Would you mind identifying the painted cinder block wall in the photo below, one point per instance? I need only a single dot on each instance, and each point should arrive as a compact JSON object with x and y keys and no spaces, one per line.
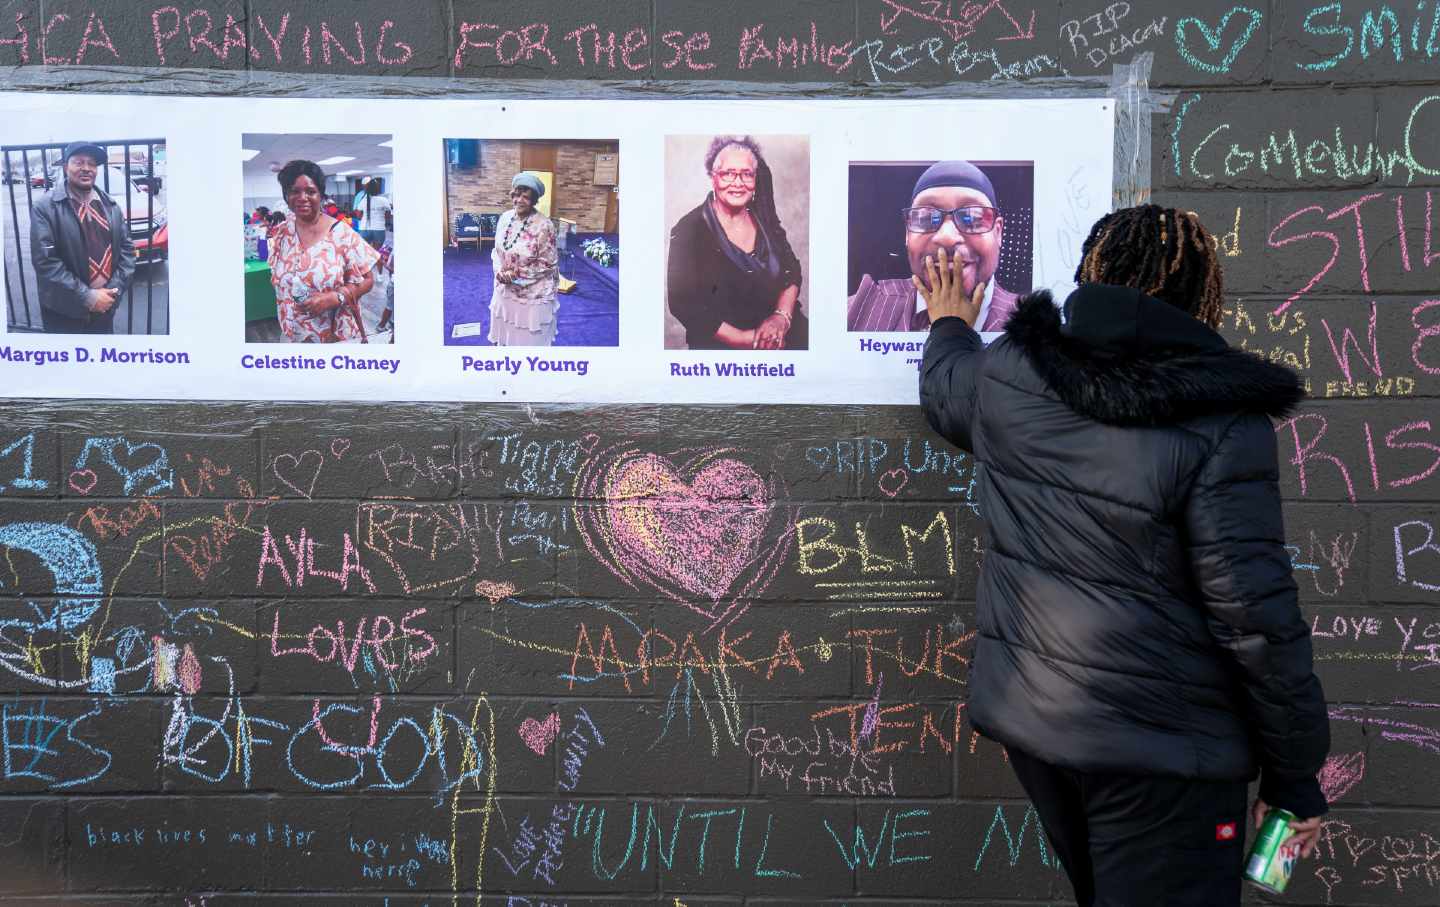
{"x":335,"y":654}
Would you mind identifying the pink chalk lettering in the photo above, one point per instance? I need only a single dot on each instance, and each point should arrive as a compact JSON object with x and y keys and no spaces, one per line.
{"x":276,"y":651}
{"x":203,"y":39}
{"x":500,"y":48}
{"x":347,"y":649}
{"x":161,"y":37}
{"x":796,"y":53}
{"x":1400,"y":226}
{"x":753,"y":47}
{"x":415,"y":632}
{"x":1424,"y":333}
{"x":1393,"y":444}
{"x":406,"y":53}
{"x":575,"y":36}
{"x":469,"y":39}
{"x":275,"y":40}
{"x":45,"y":39}
{"x":1429,"y":228}
{"x":510,"y":46}
{"x":1347,"y":339}
{"x":597,"y":45}
{"x":21,"y":39}
{"x":1305,"y":451}
{"x":234,"y":37}
{"x":697,"y":43}
{"x":636,"y":40}
{"x":270,"y":554}
{"x":694,"y":44}
{"x":334,"y":650}
{"x":350,"y":657}
{"x":378,"y":640}
{"x":305,"y":45}
{"x":93,"y":26}
{"x":957,"y":24}
{"x":328,"y":39}
{"x":1274,"y":243}
{"x":534,"y":45}
{"x":1374,"y":464}
{"x":302,"y":551}
{"x":1354,"y":208}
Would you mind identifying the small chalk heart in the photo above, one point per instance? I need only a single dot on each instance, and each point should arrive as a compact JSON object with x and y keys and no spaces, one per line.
{"x":538,"y":735}
{"x":494,"y":591}
{"x":83,"y":480}
{"x":339,"y":446}
{"x":890,"y":483}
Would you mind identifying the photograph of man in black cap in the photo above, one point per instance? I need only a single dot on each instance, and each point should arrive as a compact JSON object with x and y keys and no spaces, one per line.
{"x":952,"y":205}
{"x":80,"y":247}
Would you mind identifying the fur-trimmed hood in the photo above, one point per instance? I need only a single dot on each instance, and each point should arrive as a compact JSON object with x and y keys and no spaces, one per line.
{"x":1125,"y":358}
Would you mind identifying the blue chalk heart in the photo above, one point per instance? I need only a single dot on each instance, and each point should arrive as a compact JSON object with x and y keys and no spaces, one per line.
{"x":1212,"y":38}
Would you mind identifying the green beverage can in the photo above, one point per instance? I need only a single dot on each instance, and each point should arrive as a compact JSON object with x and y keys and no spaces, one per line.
{"x":1272,"y":858}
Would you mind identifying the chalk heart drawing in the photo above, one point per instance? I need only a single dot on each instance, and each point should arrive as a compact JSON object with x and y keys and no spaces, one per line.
{"x":495,"y":591}
{"x":1214,"y":39}
{"x":1340,"y":774}
{"x":293,"y":472}
{"x":698,"y":526}
{"x":83,"y":480}
{"x":538,"y":735}
{"x":339,"y":446}
{"x":891,"y":482}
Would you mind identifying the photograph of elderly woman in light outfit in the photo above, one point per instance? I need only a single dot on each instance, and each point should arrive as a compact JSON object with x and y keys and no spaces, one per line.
{"x":733,"y":280}
{"x":523,"y":305}
{"x":320,"y":267}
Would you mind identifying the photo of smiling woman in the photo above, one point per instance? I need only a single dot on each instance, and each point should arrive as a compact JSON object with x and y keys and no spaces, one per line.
{"x":319,"y":238}
{"x":320,"y":267}
{"x":734,"y":275}
{"x":522,"y":304}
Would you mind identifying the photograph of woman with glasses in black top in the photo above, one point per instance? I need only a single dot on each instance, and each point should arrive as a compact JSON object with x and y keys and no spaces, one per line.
{"x":733,"y":280}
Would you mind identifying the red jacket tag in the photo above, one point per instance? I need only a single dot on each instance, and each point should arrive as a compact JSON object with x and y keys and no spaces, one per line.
{"x":1225,"y":831}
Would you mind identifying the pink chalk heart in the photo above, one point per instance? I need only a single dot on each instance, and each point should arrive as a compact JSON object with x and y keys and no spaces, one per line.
{"x":83,"y":480}
{"x":538,"y":735}
{"x":339,"y":446}
{"x":890,"y":483}
{"x":697,"y":528}
{"x":699,"y":533}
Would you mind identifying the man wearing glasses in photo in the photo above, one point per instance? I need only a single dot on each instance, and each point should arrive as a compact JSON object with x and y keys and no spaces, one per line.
{"x":953,"y":207}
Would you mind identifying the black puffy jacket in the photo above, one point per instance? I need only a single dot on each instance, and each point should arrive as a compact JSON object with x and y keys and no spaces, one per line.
{"x":1137,"y":612}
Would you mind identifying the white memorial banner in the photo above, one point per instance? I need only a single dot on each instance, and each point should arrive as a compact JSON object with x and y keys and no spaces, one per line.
{"x":469,"y":250}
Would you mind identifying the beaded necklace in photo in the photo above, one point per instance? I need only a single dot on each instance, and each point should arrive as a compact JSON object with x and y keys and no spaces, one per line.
{"x":507,"y":241}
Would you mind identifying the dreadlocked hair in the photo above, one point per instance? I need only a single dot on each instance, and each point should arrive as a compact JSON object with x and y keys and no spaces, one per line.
{"x":1162,"y":252}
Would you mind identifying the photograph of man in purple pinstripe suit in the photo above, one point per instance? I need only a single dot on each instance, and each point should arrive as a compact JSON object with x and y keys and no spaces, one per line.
{"x":954,"y":206}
